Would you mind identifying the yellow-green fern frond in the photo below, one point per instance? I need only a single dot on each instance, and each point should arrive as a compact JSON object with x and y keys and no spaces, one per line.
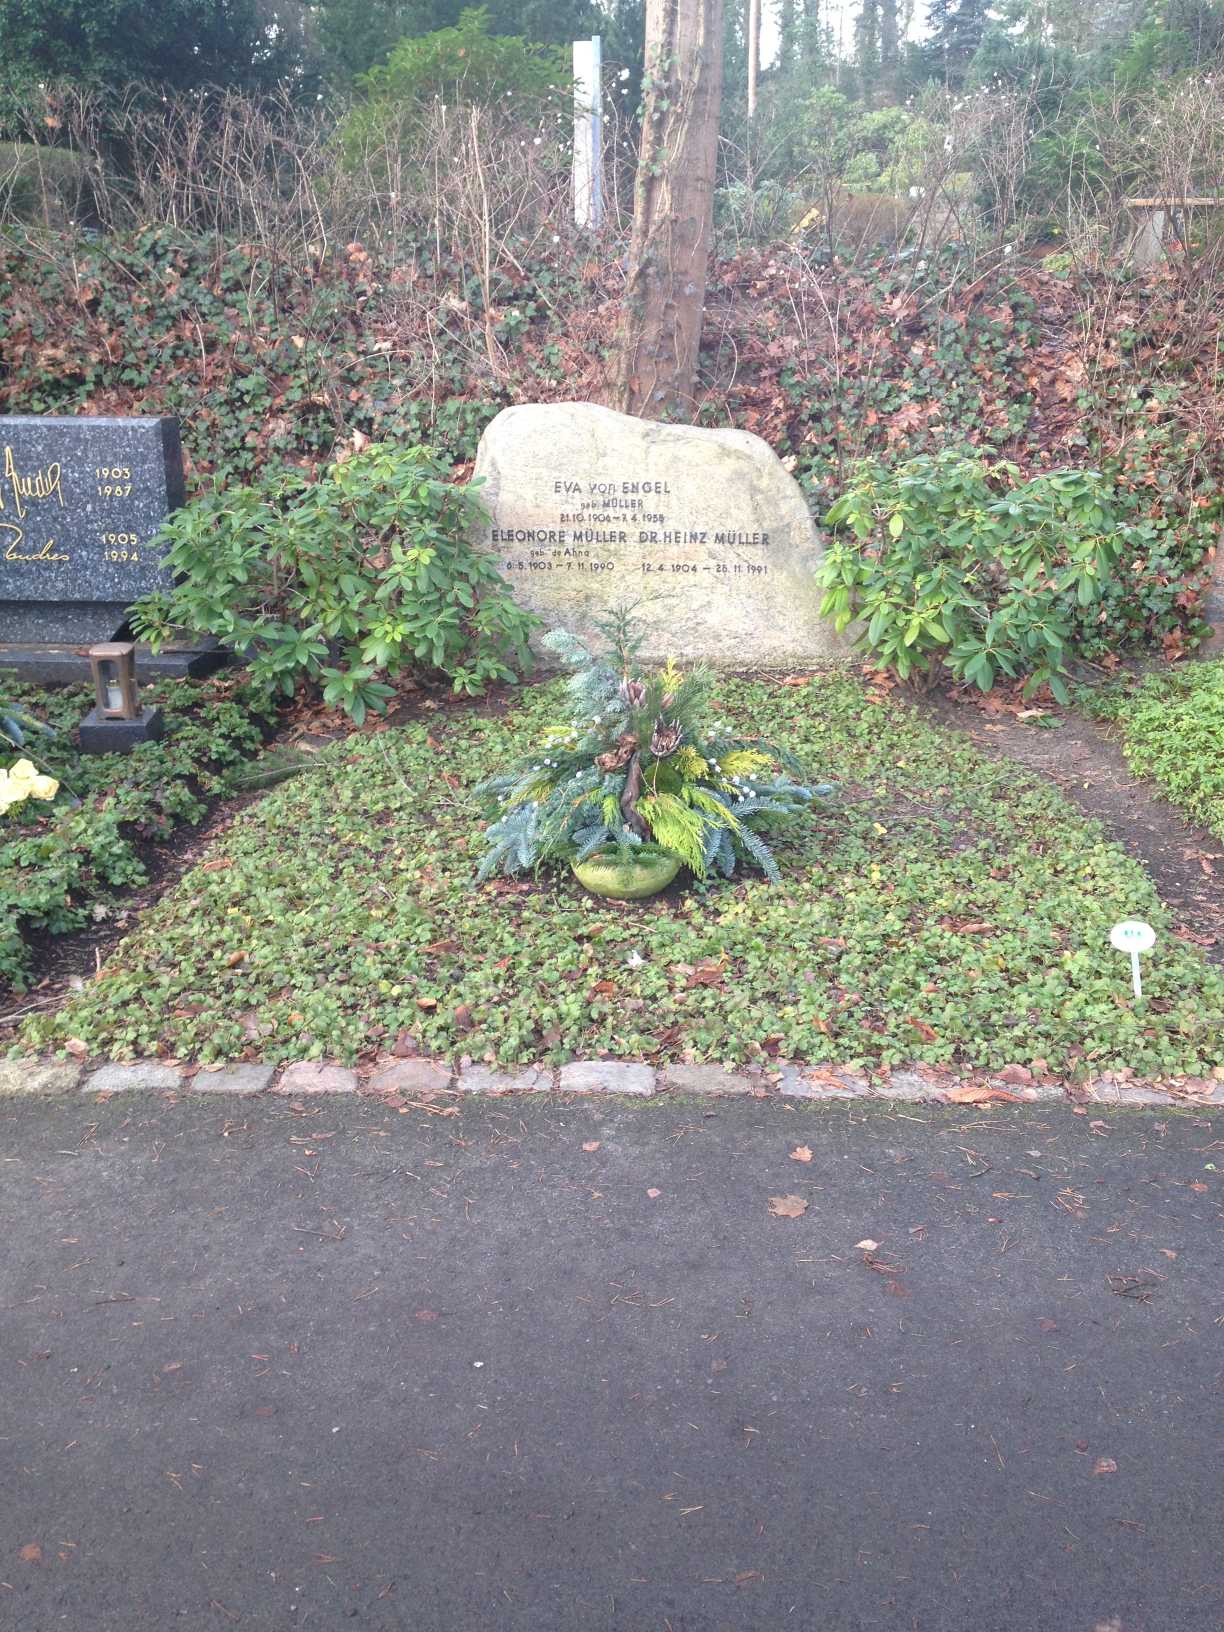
{"x":690,"y":764}
{"x":670,"y":676}
{"x":675,"y":827}
{"x":743,"y":762}
{"x":702,"y":800}
{"x":526,"y":791}
{"x":610,"y":810}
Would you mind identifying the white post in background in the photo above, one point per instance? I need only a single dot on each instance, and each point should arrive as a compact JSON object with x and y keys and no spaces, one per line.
{"x":754,"y":55}
{"x":588,"y":134}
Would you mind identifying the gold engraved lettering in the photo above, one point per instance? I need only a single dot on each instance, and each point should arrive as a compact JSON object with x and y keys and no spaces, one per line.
{"x":14,"y":552}
{"x":43,"y":484}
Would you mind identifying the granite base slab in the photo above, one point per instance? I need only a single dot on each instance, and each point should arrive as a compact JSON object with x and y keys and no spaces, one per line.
{"x":100,"y":735}
{"x":61,"y":663}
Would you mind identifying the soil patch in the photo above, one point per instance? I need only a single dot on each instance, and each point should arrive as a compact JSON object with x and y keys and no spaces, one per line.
{"x":1185,"y":862}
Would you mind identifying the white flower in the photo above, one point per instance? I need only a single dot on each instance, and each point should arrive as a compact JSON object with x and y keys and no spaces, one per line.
{"x":624,"y":74}
{"x":635,"y":960}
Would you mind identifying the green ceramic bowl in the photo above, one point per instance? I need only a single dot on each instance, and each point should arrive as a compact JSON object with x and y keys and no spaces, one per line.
{"x":626,"y":881}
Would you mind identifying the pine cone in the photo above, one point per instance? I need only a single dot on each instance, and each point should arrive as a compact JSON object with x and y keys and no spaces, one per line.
{"x":633,"y":692}
{"x":665,"y":738}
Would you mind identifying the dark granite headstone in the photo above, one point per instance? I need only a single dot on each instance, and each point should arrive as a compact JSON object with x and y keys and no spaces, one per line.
{"x":81,"y":501}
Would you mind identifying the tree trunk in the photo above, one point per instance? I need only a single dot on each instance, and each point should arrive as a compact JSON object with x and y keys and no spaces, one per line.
{"x":657,"y":353}
{"x":786,"y":35}
{"x":890,"y":54}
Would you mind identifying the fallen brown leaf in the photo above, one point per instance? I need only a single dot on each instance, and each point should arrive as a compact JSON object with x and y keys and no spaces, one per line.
{"x":31,"y":1553}
{"x":976,"y":1093}
{"x":1015,"y":1073}
{"x":787,"y":1206}
{"x":867,"y":1245}
{"x":801,"y":1153}
{"x":591,"y":1144}
{"x":1104,"y":1464}
{"x":706,"y":974}
{"x":1197,"y":940}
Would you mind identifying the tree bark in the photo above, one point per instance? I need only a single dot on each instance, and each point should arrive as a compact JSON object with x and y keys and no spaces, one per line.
{"x":630,"y":794}
{"x":655,"y":372}
{"x":890,"y":54}
{"x":786,"y":35}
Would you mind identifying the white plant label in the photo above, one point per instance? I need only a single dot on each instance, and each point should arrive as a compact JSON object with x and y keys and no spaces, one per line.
{"x":1133,"y":936}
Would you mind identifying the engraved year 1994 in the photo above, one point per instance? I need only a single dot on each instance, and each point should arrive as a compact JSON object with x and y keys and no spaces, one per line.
{"x":120,"y":547}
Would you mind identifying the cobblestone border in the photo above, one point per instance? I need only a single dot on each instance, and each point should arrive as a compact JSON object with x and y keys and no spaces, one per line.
{"x":401,"y":1082}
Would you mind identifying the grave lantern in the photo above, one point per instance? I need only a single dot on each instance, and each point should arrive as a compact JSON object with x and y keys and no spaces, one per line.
{"x":117,"y":722}
{"x":114,"y":677}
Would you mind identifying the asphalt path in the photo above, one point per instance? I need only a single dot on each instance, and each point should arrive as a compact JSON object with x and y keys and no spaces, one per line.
{"x":543,"y":1365}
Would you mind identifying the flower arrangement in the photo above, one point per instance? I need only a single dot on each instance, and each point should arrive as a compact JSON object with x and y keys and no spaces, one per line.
{"x":640,"y":774}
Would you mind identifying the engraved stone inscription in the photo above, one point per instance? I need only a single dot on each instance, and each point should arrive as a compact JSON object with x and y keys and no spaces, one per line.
{"x":704,"y":530}
{"x":81,"y":501}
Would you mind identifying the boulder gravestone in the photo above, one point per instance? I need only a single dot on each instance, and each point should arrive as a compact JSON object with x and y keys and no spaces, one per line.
{"x":705,"y":532}
{"x":81,"y":501}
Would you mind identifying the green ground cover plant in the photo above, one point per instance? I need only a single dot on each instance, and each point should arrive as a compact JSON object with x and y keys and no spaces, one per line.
{"x":1172,"y":730}
{"x":62,"y":860}
{"x":944,"y":908}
